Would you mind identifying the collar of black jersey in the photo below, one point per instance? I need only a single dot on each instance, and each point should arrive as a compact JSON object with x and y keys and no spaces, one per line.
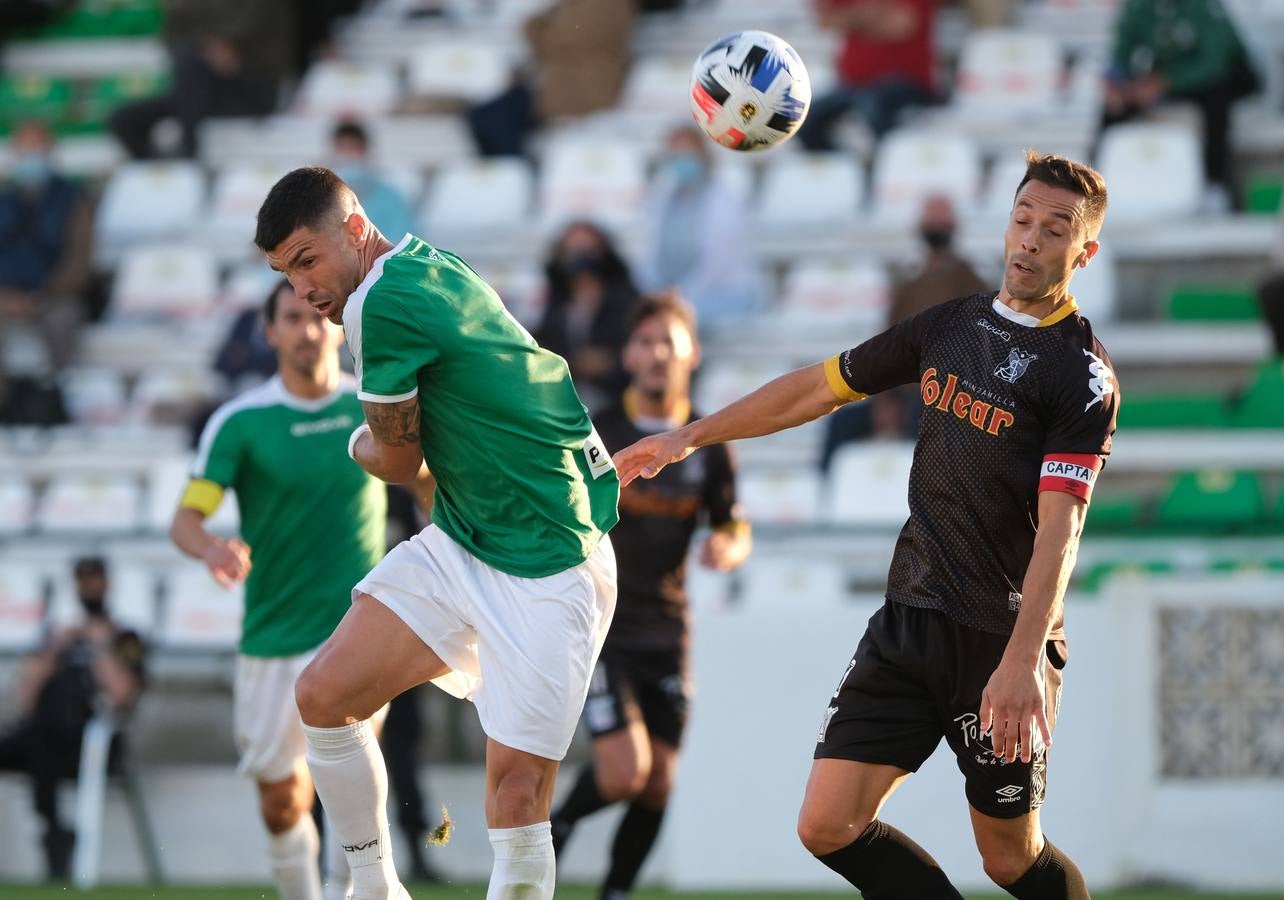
{"x":681,"y":415}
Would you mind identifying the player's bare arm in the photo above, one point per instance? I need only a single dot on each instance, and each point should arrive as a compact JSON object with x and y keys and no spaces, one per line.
{"x":792,"y":399}
{"x":1014,"y":695}
{"x":389,"y":448}
{"x":228,"y":560}
{"x":727,"y":547}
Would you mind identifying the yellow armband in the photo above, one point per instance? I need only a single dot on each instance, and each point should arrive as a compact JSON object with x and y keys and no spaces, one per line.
{"x":202,"y":495}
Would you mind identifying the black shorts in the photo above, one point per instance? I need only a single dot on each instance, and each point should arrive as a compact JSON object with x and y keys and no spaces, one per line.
{"x":917,"y":676}
{"x":631,"y":685}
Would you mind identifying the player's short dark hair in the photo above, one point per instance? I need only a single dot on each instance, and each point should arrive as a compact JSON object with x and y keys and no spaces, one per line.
{"x":662,"y":303}
{"x":87,"y":566}
{"x":350,"y":129}
{"x":1059,"y":171}
{"x":301,"y":199}
{"x":270,"y":304}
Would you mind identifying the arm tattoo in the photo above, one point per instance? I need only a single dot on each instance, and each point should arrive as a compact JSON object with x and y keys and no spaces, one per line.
{"x":394,"y":424}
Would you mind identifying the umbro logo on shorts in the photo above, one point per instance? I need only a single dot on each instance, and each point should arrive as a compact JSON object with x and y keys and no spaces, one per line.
{"x":1009,"y":794}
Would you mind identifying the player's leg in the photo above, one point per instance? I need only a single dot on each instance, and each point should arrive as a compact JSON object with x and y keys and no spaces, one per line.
{"x":519,"y":800}
{"x":881,"y":724}
{"x":293,"y":843}
{"x":1019,"y":859}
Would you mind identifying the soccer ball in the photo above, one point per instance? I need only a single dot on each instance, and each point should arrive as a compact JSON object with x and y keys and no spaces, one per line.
{"x":749,"y":90}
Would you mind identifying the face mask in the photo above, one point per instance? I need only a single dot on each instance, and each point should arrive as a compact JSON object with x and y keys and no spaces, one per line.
{"x":31,"y":170}
{"x":582,"y":263}
{"x":937,"y":238}
{"x":93,"y":606}
{"x":686,"y":168}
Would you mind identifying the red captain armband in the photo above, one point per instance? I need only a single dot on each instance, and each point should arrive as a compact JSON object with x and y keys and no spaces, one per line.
{"x":1070,"y":473}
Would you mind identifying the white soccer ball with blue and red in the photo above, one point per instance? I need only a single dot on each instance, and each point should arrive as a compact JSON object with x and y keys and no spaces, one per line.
{"x":750,"y":91}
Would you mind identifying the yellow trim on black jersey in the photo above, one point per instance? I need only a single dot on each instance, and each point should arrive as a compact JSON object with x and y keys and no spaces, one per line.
{"x":842,"y":390}
{"x":681,"y":413}
{"x":1059,"y":313}
{"x":202,"y":495}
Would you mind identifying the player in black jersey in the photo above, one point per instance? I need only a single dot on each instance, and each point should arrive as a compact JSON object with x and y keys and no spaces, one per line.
{"x":1019,"y":405}
{"x":637,"y":703}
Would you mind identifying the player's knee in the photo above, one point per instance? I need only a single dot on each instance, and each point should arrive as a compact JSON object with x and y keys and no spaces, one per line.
{"x":517,"y":797}
{"x":655,"y":793}
{"x":623,"y":781}
{"x":1004,"y":866}
{"x":281,"y":810}
{"x":822,"y":835}
{"x":316,"y":695}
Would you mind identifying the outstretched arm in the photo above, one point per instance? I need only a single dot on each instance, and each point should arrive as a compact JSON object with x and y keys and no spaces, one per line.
{"x":387,"y":446}
{"x":788,"y":401}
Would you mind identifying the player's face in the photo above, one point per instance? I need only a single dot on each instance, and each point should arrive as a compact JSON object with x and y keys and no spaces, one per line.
{"x":304,"y":341}
{"x":324,"y":265}
{"x":660,"y":355}
{"x":1046,"y":240}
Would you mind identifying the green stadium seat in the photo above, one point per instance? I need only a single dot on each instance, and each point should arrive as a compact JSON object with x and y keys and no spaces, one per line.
{"x":103,"y":95}
{"x":1264,"y":194}
{"x":1262,"y":405}
{"x":1212,"y":302}
{"x":1115,"y":514}
{"x":103,"y":19}
{"x":1093,"y":577}
{"x":1212,"y":501}
{"x":1246,"y":566}
{"x":1174,"y":411}
{"x":24,"y":97}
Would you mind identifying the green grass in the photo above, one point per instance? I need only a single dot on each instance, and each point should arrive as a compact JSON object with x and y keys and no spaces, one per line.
{"x":476,"y":892}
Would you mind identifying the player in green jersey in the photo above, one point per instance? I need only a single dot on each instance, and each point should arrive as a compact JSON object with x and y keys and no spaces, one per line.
{"x":506,"y":597}
{"x":312,"y":528}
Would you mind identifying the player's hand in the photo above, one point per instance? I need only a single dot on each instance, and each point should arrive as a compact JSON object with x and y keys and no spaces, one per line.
{"x":651,"y":454}
{"x":1011,"y":708}
{"x":228,"y":562}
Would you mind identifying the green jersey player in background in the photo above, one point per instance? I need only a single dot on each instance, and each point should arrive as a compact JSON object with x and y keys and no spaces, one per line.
{"x":312,"y":527}
{"x":507,"y":596}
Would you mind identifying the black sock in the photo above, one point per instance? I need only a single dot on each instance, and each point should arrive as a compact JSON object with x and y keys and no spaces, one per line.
{"x":884,"y":864}
{"x":1052,"y":877}
{"x":584,"y":799}
{"x":633,"y":842}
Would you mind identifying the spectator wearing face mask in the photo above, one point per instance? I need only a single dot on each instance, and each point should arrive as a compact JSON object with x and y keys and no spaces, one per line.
{"x":589,"y":294}
{"x":387,"y":207}
{"x":696,"y":241}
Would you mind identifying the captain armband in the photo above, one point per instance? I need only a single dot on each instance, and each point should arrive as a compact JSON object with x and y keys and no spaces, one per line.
{"x":202,"y":495}
{"x":1070,"y":473}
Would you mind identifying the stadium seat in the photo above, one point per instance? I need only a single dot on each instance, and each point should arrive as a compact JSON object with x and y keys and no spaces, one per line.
{"x":93,"y":394}
{"x":461,"y":70}
{"x":910,"y":165}
{"x":148,"y":201}
{"x":131,"y":598}
{"x":1212,"y":302}
{"x":600,"y":180}
{"x":521,"y":287}
{"x":658,"y":85}
{"x":1000,"y":187}
{"x":30,"y":96}
{"x":1096,"y":288}
{"x":17,"y":503}
{"x":419,"y":141}
{"x":793,"y":582}
{"x":1007,"y":74}
{"x":815,"y":191}
{"x":1264,"y":194}
{"x":162,"y":393}
{"x":477,"y":199}
{"x":1173,"y":410}
{"x":851,"y":294}
{"x":1262,"y":405}
{"x":75,"y":503}
{"x":1117,"y":514}
{"x":780,"y":495}
{"x":198,"y":612}
{"x":247,"y":285}
{"x":337,"y":88}
{"x":1154,"y":172}
{"x":1211,"y":501}
{"x":720,"y":382}
{"x":1091,"y":578}
{"x":238,"y":192}
{"x":103,"y":95}
{"x":174,"y":281}
{"x":22,"y":604}
{"x":869,"y":484}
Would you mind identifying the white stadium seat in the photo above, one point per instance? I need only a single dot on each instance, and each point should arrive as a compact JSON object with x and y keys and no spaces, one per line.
{"x":238,"y":192}
{"x":780,"y":495}
{"x":167,"y":478}
{"x":600,"y":180}
{"x":913,"y":164}
{"x":94,"y":394}
{"x":1007,"y":74}
{"x":521,"y":287}
{"x":658,"y":85}
{"x":173,"y":389}
{"x":1000,"y":188}
{"x":22,"y":604}
{"x":849,"y":293}
{"x":794,"y":582}
{"x":17,"y":503}
{"x":247,"y":285}
{"x":821,"y":191}
{"x":477,"y":198}
{"x":172,"y":280}
{"x":103,"y":503}
{"x":148,"y":201}
{"x":468,"y":71}
{"x":419,"y":141}
{"x":869,"y":484}
{"x":1154,"y":172}
{"x":198,"y":612}
{"x":337,"y":88}
{"x":1095,"y":288}
{"x":720,"y":382}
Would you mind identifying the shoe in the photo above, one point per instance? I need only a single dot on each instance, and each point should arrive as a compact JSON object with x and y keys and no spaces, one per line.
{"x":59,"y":844}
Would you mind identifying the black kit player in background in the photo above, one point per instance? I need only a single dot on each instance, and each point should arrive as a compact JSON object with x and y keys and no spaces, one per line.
{"x":637,"y":702}
{"x":1019,"y":405}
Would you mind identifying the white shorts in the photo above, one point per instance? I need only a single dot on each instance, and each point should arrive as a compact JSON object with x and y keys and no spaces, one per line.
{"x":522,"y":649}
{"x":269,"y":732}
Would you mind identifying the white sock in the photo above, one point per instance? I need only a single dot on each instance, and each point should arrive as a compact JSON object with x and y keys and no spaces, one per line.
{"x":337,"y":882}
{"x":524,"y":864}
{"x":348,"y":771}
{"x":294,"y":861}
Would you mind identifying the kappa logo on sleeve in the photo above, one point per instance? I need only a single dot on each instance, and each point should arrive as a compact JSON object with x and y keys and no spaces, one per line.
{"x":1100,"y":380}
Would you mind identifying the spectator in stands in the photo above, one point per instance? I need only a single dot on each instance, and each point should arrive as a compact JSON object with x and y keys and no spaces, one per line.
{"x":580,"y":51}
{"x":387,"y":207}
{"x":697,"y":242}
{"x":885,"y":65}
{"x":1271,"y":296}
{"x":45,"y":245}
{"x":81,"y":670}
{"x":943,"y":276}
{"x":227,"y":59}
{"x":589,"y":294}
{"x":1184,"y":51}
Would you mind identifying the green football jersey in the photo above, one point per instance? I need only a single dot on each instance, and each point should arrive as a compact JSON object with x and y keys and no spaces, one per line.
{"x":315,"y":522}
{"x":523,"y":481}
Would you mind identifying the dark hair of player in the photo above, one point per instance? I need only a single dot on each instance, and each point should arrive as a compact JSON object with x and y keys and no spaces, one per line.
{"x":669,"y":302}
{"x":350,"y":129}
{"x":88,"y":566}
{"x":1061,"y":172}
{"x":301,"y":199}
{"x":270,"y":304}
